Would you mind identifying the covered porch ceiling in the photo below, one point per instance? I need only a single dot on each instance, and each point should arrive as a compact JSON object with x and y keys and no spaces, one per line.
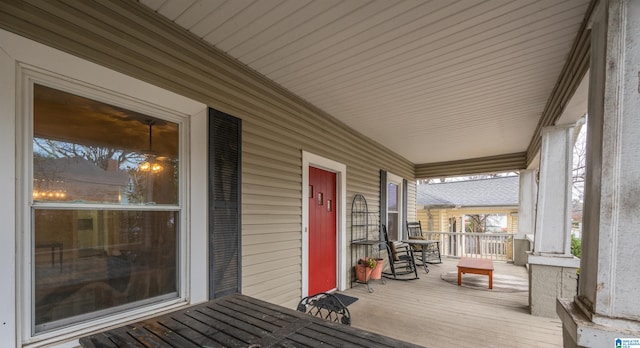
{"x":434,"y":81}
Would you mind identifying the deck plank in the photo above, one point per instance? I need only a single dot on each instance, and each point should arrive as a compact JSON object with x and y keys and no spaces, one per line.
{"x":433,"y":313}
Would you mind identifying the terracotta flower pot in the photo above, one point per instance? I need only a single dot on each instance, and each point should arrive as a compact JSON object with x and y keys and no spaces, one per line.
{"x":377,"y":272}
{"x":363,"y":273}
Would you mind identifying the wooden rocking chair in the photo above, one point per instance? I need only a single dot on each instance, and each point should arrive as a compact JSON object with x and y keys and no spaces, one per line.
{"x":401,"y":260}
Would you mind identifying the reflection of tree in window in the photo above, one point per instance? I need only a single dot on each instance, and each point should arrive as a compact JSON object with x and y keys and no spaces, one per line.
{"x":116,"y":248}
{"x":96,"y":149}
{"x":392,"y":211}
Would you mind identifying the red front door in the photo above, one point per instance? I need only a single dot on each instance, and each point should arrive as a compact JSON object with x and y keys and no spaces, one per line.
{"x":322,"y":230}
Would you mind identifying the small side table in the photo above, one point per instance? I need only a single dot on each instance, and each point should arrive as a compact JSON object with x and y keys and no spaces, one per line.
{"x":475,"y":266}
{"x":427,"y":248}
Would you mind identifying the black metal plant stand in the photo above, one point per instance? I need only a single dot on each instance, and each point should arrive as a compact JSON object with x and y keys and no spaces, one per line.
{"x":365,"y":241}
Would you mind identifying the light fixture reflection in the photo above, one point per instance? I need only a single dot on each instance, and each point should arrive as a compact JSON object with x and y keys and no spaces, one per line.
{"x":150,"y":164}
{"x":152,"y":167}
{"x":48,"y":189}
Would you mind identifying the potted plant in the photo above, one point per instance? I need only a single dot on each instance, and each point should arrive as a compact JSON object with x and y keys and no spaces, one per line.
{"x":364,"y":268}
{"x":377,"y":270}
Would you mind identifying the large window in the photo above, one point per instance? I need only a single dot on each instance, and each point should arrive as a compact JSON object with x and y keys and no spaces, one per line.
{"x":393,"y":220}
{"x":105,"y":208}
{"x":395,"y":206}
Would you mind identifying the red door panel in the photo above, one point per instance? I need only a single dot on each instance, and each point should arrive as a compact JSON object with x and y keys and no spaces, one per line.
{"x":322,"y":231}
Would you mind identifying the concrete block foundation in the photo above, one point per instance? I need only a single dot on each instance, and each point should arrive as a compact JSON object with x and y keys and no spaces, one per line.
{"x":548,"y":283}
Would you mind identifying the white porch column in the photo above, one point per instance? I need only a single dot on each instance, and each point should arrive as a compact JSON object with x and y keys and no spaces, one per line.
{"x":552,"y":268}
{"x":607,"y":305}
{"x":463,"y":242}
{"x":553,"y":219}
{"x":526,"y":215}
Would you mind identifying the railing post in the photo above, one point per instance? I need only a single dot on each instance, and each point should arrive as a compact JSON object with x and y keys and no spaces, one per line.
{"x":464,"y":244}
{"x":480,"y":245}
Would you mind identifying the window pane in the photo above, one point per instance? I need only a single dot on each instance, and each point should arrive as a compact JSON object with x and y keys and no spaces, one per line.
{"x":393,"y":197}
{"x":392,"y":229}
{"x":87,"y":261}
{"x":91,"y":152}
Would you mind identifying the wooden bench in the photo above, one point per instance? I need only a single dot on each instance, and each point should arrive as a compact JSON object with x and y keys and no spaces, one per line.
{"x":475,"y":266}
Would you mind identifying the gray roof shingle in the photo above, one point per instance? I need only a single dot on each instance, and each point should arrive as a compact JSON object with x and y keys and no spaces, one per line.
{"x":501,"y":191}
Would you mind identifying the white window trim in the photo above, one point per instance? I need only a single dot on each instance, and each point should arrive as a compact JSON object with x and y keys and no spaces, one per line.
{"x":8,"y":303}
{"x":32,"y":76}
{"x":28,"y":59}
{"x":309,"y":159}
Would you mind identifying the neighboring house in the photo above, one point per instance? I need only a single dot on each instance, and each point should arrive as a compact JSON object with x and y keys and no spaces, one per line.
{"x":442,"y":206}
{"x":78,"y":178}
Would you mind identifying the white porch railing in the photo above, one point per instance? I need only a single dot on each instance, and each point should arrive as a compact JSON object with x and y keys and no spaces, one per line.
{"x":494,"y":246}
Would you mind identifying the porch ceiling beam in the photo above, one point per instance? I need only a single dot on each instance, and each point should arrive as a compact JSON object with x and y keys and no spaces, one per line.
{"x":480,"y":165}
{"x":572,"y":73}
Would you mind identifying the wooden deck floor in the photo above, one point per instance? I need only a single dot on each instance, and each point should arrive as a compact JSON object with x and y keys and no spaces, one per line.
{"x":433,"y":313}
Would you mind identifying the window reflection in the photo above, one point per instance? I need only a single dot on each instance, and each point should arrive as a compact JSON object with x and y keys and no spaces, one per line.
{"x":90,"y":260}
{"x":392,"y":211}
{"x":91,"y":152}
{"x":393,"y":197}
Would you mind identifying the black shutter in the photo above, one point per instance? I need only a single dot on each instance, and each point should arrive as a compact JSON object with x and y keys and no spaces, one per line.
{"x":383,"y":201}
{"x":405,"y":201}
{"x":225,"y":140}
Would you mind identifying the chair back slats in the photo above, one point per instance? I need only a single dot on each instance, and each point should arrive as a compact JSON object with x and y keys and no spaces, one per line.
{"x":414,"y":229}
{"x":401,"y":260}
{"x":424,"y":252}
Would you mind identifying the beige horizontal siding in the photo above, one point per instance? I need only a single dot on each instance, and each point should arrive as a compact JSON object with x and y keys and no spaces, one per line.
{"x":265,"y":256}
{"x":276,"y":286}
{"x":430,"y":222}
{"x":433,"y":224}
{"x":269,"y":162}
{"x":258,"y":238}
{"x":266,"y":190}
{"x":513,"y":223}
{"x":277,"y":126}
{"x":265,"y":179}
{"x":256,"y":268}
{"x":251,"y":231}
{"x":440,"y":217}
{"x":272,"y":248}
{"x":271,"y":192}
{"x":492,"y":164}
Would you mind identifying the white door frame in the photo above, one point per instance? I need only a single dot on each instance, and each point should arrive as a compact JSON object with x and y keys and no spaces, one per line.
{"x":309,"y":159}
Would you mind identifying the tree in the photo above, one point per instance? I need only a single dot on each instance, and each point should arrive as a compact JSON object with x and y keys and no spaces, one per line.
{"x":464,"y":178}
{"x":98,"y":155}
{"x":477,"y":223}
{"x":578,"y":178}
{"x":579,"y":162}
